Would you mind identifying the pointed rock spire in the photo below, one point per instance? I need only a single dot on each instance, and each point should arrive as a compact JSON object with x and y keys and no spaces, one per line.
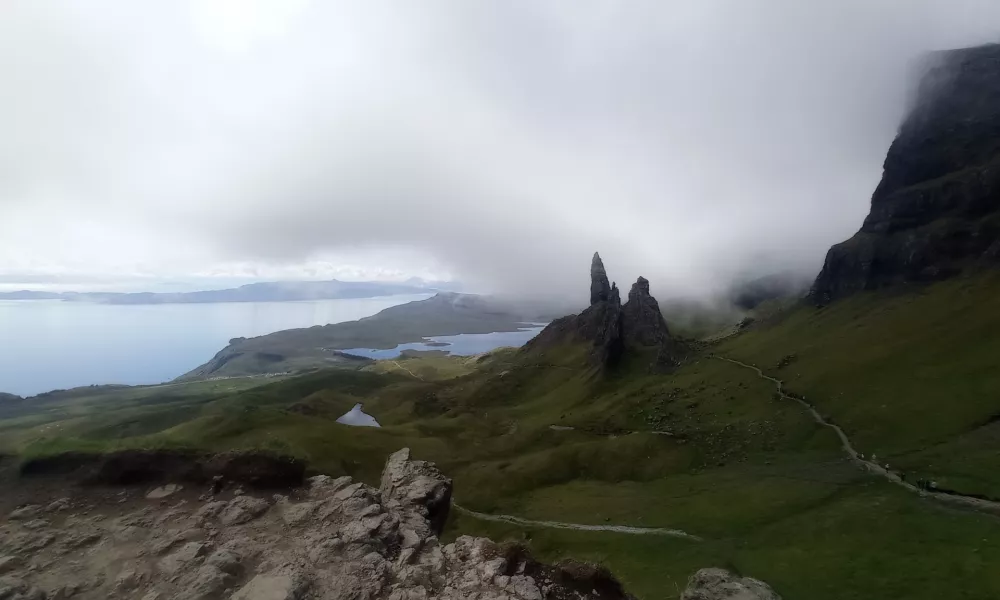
{"x":608,"y":341}
{"x":642,"y":321}
{"x":600,"y":289}
{"x":614,"y":329}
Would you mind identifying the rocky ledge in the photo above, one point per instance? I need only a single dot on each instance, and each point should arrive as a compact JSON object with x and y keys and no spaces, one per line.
{"x":332,"y":539}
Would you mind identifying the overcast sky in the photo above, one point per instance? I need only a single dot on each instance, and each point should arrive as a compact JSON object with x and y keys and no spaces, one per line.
{"x":499,"y":143}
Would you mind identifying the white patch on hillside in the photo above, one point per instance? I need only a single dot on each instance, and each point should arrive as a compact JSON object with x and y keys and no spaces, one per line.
{"x":358,"y":418}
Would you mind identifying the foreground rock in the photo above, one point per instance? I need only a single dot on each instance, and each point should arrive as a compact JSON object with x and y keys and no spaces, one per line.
{"x":335,"y":539}
{"x":719,"y":584}
{"x":936,"y":211}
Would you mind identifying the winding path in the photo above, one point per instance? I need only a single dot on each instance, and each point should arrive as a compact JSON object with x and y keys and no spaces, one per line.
{"x":576,"y":526}
{"x":845,"y":443}
{"x":407,"y":370}
{"x":855,"y":457}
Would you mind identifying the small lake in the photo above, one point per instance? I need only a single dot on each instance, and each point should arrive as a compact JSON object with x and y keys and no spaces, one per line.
{"x":358,"y":418}
{"x":464,"y":344}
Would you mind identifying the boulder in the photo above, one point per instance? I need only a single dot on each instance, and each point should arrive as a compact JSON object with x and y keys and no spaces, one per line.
{"x":416,"y":486}
{"x":719,"y":584}
{"x":271,"y":587}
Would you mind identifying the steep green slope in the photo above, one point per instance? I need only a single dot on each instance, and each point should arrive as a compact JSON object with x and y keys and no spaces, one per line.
{"x":911,"y":375}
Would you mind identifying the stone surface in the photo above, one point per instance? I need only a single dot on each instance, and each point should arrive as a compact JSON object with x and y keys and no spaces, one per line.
{"x":417,"y":488}
{"x":602,"y":325}
{"x":9,"y":563}
{"x":270,"y":587}
{"x":936,"y":211}
{"x":334,"y":539}
{"x":719,"y":584}
{"x":25,"y":513}
{"x":642,"y":321}
{"x":163,"y":491}
{"x":600,"y":288}
{"x":243,"y":509}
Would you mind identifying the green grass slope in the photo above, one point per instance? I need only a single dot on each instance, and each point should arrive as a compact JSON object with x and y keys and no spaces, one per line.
{"x":913,"y":378}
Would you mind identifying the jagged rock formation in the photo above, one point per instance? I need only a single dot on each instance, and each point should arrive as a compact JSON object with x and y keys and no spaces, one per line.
{"x":614,"y":328}
{"x":937,"y":208}
{"x":602,"y":323}
{"x":335,"y":539}
{"x":719,"y":584}
{"x":642,"y":320}
{"x":600,"y":290}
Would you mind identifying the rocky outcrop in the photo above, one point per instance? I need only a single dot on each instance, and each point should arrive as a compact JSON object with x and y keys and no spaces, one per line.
{"x":602,"y":324}
{"x":416,"y":488}
{"x":719,"y":584}
{"x":602,"y":321}
{"x":936,"y":211}
{"x":600,"y":289}
{"x":642,"y":321}
{"x":643,"y":326}
{"x":334,"y":539}
{"x":614,"y":329}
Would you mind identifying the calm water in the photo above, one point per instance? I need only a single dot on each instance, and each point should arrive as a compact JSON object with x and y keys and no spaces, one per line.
{"x":464,"y":344}
{"x":52,"y":345}
{"x":358,"y":418}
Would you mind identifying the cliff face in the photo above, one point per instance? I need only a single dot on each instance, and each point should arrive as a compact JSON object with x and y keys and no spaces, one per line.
{"x":937,"y":209}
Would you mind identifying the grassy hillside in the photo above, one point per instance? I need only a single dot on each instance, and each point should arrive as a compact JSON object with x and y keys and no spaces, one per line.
{"x":708,"y":449}
{"x":912,"y":377}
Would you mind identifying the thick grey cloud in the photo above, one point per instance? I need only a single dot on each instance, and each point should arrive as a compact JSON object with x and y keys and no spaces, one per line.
{"x":689,"y":141}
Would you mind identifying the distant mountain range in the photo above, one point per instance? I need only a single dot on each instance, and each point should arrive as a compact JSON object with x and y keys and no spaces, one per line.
{"x":275,"y":291}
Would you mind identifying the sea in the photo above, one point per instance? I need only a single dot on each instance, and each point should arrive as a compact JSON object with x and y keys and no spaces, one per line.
{"x":52,"y":344}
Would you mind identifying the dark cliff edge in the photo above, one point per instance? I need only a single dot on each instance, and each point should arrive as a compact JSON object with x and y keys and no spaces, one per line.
{"x":936,"y":211}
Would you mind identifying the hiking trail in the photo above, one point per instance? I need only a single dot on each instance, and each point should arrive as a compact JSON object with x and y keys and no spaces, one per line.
{"x":576,"y":526}
{"x":855,"y":456}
